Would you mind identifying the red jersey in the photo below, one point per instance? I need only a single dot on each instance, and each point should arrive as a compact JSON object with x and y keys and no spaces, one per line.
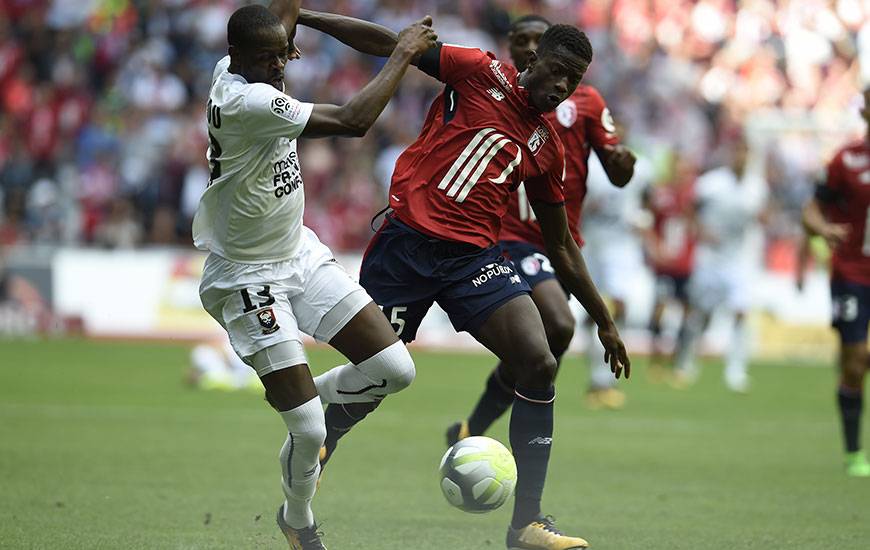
{"x":584,"y":123}
{"x":848,"y":184}
{"x":671,"y":207}
{"x":480,"y":139}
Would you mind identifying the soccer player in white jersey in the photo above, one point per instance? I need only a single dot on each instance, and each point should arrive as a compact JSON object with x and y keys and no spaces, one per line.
{"x":612,"y":220}
{"x":268,"y":278}
{"x":729,"y":203}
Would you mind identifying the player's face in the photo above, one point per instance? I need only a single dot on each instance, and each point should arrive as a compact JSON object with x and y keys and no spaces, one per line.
{"x":525,"y":39}
{"x":552,"y":78}
{"x":264,"y":60}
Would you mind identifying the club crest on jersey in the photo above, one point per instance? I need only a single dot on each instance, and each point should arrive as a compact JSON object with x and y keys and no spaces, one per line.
{"x":495,"y":66}
{"x":538,"y":139}
{"x":566,"y":113}
{"x":286,"y":108}
{"x":267,"y":320}
{"x":496,"y":94}
{"x":531,"y":266}
{"x":607,"y":121}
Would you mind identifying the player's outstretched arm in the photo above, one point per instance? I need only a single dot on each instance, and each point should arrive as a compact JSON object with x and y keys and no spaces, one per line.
{"x":571,"y":270}
{"x":363,"y":36}
{"x":618,"y":162}
{"x":355,"y":117}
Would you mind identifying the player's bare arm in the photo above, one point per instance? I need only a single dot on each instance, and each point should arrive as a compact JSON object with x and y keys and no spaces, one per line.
{"x":618,"y":162}
{"x":362,"y":36}
{"x":571,"y":270}
{"x":815,"y":223}
{"x":355,"y":117}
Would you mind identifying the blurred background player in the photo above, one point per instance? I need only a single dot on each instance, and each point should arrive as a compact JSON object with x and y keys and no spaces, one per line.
{"x":840,"y":213}
{"x":613,"y":221}
{"x":583,"y":123}
{"x":482,"y":137}
{"x":215,"y":365}
{"x":729,"y":202}
{"x":669,"y":246}
{"x":268,"y":278}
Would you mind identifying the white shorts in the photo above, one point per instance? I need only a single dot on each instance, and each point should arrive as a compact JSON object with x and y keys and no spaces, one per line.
{"x":261,"y":305}
{"x":614,"y":270}
{"x":714,"y":286}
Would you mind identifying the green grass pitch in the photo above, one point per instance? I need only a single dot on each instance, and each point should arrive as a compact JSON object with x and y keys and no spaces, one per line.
{"x":102,"y":446}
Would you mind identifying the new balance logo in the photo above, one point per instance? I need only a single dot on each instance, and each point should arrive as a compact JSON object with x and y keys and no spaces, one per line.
{"x":515,"y":280}
{"x":496,"y":94}
{"x":473,"y":162}
{"x":495,"y":66}
{"x":542,"y":441}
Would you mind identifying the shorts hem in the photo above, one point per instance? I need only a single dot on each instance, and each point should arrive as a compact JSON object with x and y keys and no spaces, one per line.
{"x":355,"y":302}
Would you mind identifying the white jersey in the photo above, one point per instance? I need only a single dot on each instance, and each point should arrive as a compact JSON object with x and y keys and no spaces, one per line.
{"x":728,"y":211}
{"x":251,"y":212}
{"x":612,"y":216}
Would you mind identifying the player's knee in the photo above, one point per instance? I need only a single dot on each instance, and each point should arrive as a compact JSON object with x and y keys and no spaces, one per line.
{"x":560,"y":332}
{"x":394,"y":365}
{"x":853,"y":366}
{"x":539,"y":372}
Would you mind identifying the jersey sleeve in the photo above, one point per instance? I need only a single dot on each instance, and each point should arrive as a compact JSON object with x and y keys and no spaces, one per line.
{"x":601,"y":130}
{"x":547,"y":188}
{"x":451,"y":64}
{"x":269,"y":113}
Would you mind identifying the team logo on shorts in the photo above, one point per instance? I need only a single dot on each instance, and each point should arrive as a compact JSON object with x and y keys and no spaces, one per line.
{"x":268,"y":321}
{"x":531,"y":266}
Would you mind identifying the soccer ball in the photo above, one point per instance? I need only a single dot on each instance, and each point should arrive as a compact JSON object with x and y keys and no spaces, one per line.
{"x":478,"y":474}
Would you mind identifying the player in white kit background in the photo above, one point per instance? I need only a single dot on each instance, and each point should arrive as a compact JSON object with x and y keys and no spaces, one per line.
{"x":268,"y":279}
{"x":613,"y":218}
{"x":729,"y":202}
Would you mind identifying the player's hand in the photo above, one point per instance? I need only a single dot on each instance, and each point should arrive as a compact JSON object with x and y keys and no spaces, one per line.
{"x":620,"y":157}
{"x":614,"y":351}
{"x":835,"y":234}
{"x":418,"y":37}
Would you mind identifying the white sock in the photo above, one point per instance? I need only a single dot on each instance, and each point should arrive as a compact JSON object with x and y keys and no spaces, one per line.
{"x":687,"y":344}
{"x":736,"y":362}
{"x":388,"y":371}
{"x":300,"y":461}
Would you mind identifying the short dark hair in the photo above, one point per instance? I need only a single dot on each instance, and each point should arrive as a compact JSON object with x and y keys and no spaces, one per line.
{"x":569,"y":37}
{"x":246,"y":22}
{"x":531,"y":18}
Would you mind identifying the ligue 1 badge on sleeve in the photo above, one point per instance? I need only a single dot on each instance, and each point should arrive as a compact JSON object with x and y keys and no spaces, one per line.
{"x":267,"y":320}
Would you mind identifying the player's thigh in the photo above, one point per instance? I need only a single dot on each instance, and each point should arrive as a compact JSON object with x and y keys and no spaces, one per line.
{"x":366,"y":334}
{"x":287,"y":379}
{"x":552,"y":304}
{"x":515,"y":334}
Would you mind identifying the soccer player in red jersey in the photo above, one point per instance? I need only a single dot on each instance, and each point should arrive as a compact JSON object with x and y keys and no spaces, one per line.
{"x":840,"y":213}
{"x":484,"y":135}
{"x":583,"y":123}
{"x":670,"y":245}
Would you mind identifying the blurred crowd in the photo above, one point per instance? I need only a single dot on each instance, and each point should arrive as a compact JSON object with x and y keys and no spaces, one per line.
{"x":102,"y":102}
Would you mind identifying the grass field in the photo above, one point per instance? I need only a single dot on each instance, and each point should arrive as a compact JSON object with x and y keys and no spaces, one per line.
{"x":102,"y":446}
